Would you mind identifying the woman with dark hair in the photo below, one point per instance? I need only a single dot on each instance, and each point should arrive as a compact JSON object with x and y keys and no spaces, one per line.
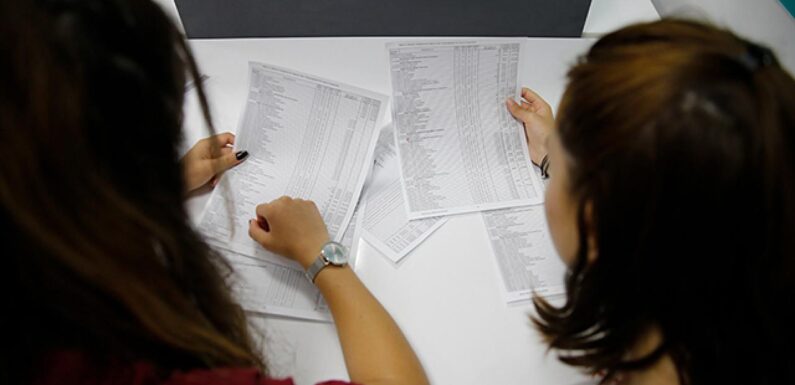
{"x":672,"y":200}
{"x":106,"y":281}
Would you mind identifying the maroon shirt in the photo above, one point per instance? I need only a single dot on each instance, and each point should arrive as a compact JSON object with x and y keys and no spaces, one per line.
{"x":71,"y":367}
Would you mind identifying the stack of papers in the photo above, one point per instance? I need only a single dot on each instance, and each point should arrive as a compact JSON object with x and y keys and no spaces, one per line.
{"x":386,"y":225}
{"x":453,"y":148}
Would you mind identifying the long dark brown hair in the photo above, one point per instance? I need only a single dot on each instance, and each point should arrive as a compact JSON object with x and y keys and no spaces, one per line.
{"x":681,"y":137}
{"x":98,"y":251}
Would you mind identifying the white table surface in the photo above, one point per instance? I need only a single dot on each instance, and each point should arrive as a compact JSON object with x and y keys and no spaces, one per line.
{"x":445,"y":295}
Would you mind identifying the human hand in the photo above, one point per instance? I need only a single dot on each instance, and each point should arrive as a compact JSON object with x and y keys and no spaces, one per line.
{"x":290,"y":227}
{"x":536,"y":115}
{"x":208,"y":159}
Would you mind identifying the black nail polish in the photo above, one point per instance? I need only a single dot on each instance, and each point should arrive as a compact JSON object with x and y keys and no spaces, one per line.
{"x":240,"y":155}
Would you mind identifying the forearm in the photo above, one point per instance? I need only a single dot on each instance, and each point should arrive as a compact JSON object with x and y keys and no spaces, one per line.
{"x":376,"y":352}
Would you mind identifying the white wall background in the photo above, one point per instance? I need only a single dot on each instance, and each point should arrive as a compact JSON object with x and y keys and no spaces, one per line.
{"x":763,"y":21}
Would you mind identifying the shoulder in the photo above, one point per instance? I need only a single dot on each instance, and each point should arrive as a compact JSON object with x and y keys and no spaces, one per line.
{"x":221,"y":376}
{"x":231,"y":376}
{"x":76,"y":368}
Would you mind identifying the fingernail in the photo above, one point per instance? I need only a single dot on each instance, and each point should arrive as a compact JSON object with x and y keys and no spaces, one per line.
{"x":240,"y":155}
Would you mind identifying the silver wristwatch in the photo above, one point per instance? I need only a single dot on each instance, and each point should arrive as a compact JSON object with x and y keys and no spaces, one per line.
{"x":332,"y":254}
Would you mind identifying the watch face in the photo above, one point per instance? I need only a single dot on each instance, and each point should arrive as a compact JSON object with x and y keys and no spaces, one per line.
{"x":335,"y":253}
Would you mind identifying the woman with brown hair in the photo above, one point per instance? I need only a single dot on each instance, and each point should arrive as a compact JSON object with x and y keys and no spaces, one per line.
{"x":106,"y":281}
{"x":672,"y":200}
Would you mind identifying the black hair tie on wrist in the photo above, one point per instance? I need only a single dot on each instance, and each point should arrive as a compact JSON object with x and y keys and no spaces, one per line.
{"x":544,"y":166}
{"x":756,"y":57}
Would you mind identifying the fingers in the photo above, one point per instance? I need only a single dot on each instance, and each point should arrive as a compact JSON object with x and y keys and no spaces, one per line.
{"x":534,"y":100}
{"x":257,"y":233}
{"x":291,"y":227}
{"x":228,"y":160}
{"x":258,"y":229}
{"x":223,"y":140}
{"x":530,"y":95}
{"x":264,"y":210}
{"x":517,"y":111}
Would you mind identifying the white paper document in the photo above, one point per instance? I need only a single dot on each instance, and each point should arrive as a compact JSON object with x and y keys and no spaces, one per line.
{"x":460,"y":150}
{"x":525,"y":255}
{"x":270,"y":288}
{"x":308,"y":138}
{"x":350,"y":238}
{"x":265,"y":287}
{"x":386,"y":225}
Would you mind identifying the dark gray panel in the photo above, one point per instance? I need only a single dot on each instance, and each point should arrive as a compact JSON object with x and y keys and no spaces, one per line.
{"x":303,"y":18}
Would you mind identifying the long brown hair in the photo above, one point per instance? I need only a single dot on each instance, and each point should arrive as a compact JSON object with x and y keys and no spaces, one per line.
{"x":681,"y":136}
{"x":99,"y":252}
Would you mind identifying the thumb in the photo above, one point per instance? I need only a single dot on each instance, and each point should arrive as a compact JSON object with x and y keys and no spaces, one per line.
{"x":517,"y":111}
{"x":259,"y":234}
{"x":228,"y":160}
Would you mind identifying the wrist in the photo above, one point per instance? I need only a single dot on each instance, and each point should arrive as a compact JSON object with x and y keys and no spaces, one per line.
{"x":326,"y":276}
{"x":544,"y":166}
{"x":538,"y":154}
{"x":307,"y":256}
{"x":333,"y":255}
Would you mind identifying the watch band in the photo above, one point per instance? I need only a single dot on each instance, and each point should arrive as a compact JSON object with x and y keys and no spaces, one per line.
{"x":331,"y":254}
{"x":315,"y":267}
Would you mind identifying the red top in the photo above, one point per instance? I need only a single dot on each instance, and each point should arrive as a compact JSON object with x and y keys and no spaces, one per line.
{"x":75,"y":368}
